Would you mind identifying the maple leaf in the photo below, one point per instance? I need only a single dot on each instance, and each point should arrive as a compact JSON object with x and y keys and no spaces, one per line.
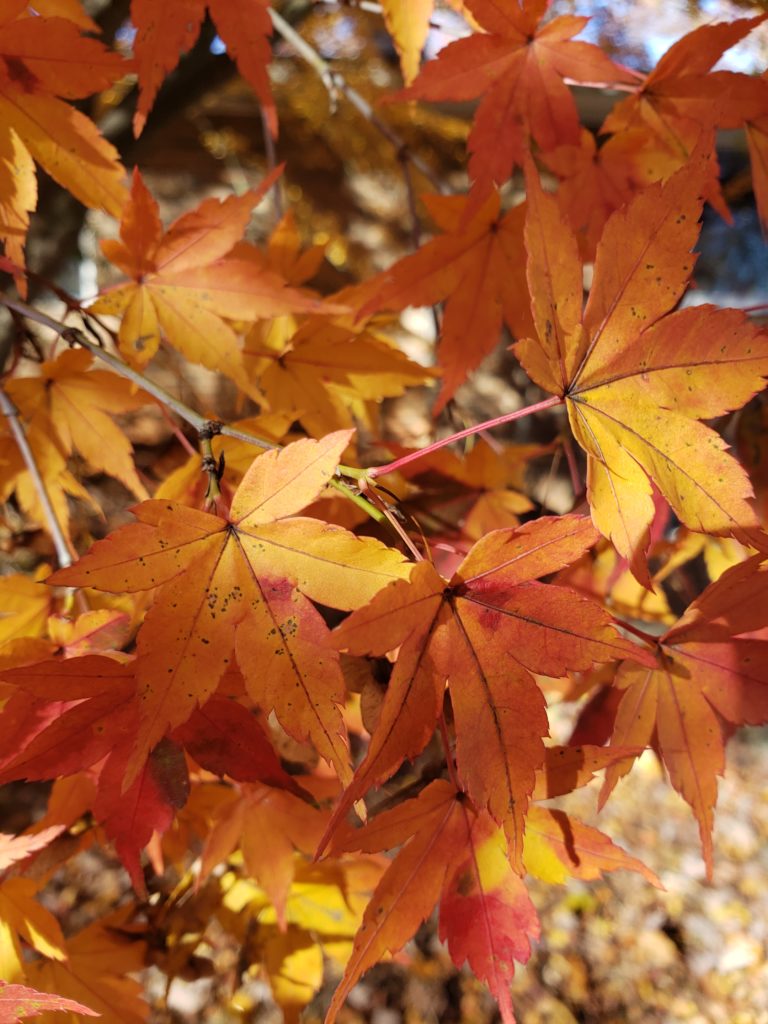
{"x":407,"y":22}
{"x":517,"y":67}
{"x":568,"y":768}
{"x":185,"y":286}
{"x":454,"y":854}
{"x":16,"y":848}
{"x":69,"y":403}
{"x":255,"y":574}
{"x":268,"y":826}
{"x":95,"y":632}
{"x":558,"y":847}
{"x":224,"y":737}
{"x":26,"y":605}
{"x":91,"y":698}
{"x":52,"y":466}
{"x":708,"y":678}
{"x":637,"y":378}
{"x":90,"y":633}
{"x":477,"y":266}
{"x":328,"y":371}
{"x":326,"y":374}
{"x":98,"y":962}
{"x":22,"y":917}
{"x":41,"y":60}
{"x":594,"y":182}
{"x":164,"y":33}
{"x":18,"y":1002}
{"x":131,"y":814}
{"x":682,"y":95}
{"x":323,"y":911}
{"x":483,"y":632}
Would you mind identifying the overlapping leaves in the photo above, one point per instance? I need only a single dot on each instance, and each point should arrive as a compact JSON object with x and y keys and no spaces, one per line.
{"x":256,"y":573}
{"x":45,"y":61}
{"x":187,"y":287}
{"x":710,"y":676}
{"x":483,"y":633}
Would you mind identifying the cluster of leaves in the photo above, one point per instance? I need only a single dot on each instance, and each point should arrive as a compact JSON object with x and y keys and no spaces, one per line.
{"x":261,"y":620}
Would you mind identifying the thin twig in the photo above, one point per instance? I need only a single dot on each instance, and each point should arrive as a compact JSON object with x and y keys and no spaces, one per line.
{"x":183,"y":411}
{"x":391,"y":518}
{"x":75,"y":336}
{"x":573,"y":467}
{"x":11,"y":413}
{"x":411,"y":194}
{"x":336,"y":83}
{"x":448,"y":751}
{"x":647,"y":638}
{"x":269,"y":150}
{"x":371,"y":7}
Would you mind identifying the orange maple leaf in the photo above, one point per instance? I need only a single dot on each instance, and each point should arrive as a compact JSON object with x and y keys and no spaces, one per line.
{"x":165,"y":31}
{"x":708,"y":679}
{"x":682,"y":95}
{"x":454,"y":854}
{"x":635,"y":377}
{"x":683,"y":100}
{"x":52,"y":466}
{"x":326,"y":375}
{"x":558,"y":847}
{"x":477,"y":265}
{"x":268,"y":826}
{"x":186,"y":284}
{"x":16,"y":848}
{"x":97,"y":969}
{"x":517,"y":66}
{"x":243,"y":582}
{"x":407,"y":22}
{"x":43,"y":62}
{"x":595,"y":182}
{"x":483,"y":632}
{"x":69,"y":402}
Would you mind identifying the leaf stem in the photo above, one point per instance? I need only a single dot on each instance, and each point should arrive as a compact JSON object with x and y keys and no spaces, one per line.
{"x":269,"y":149}
{"x":389,"y":516}
{"x":11,"y":413}
{"x":647,"y":638}
{"x":390,"y":467}
{"x":448,"y":752}
{"x":336,"y":83}
{"x":573,"y":467}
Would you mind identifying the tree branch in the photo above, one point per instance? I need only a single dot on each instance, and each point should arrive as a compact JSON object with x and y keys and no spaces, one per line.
{"x":11,"y":413}
{"x":336,"y":83}
{"x":74,"y":335}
